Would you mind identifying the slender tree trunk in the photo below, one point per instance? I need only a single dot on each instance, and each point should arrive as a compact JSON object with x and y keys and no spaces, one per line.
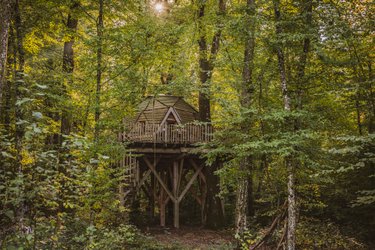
{"x":8,"y":97}
{"x":245,"y":197}
{"x":288,"y":161}
{"x":99,"y":54}
{"x":292,"y":209}
{"x":204,"y":70}
{"x":65,"y":121}
{"x":213,"y":212}
{"x":68,"y":67}
{"x":207,"y":58}
{"x":241,"y":207}
{"x":19,"y":74}
{"x":371,"y":101}
{"x":307,"y":11}
{"x":5,"y":14}
{"x":19,"y":114}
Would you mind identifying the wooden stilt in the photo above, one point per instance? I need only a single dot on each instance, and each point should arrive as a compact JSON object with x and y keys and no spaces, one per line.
{"x":162,"y":204}
{"x":162,"y":214}
{"x":190,"y":183}
{"x":203,"y":203}
{"x":161,"y":182}
{"x":203,"y":189}
{"x":176,"y":202}
{"x":152,"y":199}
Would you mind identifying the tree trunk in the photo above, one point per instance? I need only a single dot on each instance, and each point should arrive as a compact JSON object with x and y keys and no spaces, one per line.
{"x":65,"y":121}
{"x":245,"y":197}
{"x":241,"y":207}
{"x":307,"y":11}
{"x":68,"y":68}
{"x":19,"y":74}
{"x":213,"y":215}
{"x":213,"y":212}
{"x":287,"y":106}
{"x":99,"y":55}
{"x":204,"y":70}
{"x":19,"y":94}
{"x":8,"y":97}
{"x":5,"y":14}
{"x":292,"y":209}
{"x":206,"y":59}
{"x":371,"y":101}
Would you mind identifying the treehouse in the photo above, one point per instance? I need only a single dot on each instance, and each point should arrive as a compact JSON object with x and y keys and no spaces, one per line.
{"x":164,"y":165}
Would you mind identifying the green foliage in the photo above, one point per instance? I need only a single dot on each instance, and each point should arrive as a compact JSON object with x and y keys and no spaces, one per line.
{"x":59,"y":190}
{"x":314,"y":234}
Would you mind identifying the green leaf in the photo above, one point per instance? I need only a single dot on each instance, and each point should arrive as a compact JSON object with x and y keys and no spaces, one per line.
{"x":7,"y":155}
{"x":23,"y":100}
{"x":9,"y":214}
{"x":42,"y":86}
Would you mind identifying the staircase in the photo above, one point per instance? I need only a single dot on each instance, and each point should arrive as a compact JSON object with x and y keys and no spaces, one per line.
{"x":130,"y":179}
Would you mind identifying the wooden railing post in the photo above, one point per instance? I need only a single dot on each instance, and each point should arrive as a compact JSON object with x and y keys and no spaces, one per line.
{"x":189,"y":133}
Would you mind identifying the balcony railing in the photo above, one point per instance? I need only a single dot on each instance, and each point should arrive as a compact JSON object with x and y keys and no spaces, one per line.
{"x":189,"y":133}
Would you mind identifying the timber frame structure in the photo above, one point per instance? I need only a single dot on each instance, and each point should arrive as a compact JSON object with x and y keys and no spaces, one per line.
{"x":164,"y":163}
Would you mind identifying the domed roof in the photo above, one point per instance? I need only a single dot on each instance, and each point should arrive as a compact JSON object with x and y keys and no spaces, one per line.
{"x":158,"y":108}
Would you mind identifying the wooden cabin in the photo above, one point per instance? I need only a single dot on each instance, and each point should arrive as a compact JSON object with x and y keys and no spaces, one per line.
{"x":164,"y":163}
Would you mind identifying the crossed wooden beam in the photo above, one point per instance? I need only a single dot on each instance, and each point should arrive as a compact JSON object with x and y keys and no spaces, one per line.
{"x":175,"y":195}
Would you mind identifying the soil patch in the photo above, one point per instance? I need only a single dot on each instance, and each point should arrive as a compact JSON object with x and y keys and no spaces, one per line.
{"x":192,"y":238}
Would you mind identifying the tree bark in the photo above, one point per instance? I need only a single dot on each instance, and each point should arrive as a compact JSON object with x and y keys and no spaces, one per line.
{"x":213,"y":212}
{"x":20,"y":64}
{"x":99,"y":54}
{"x":307,"y":11}
{"x":241,"y":207}
{"x":245,"y":197}
{"x":5,"y":14}
{"x":19,"y":94}
{"x":68,"y":68}
{"x":288,"y":160}
{"x":65,"y":121}
{"x":207,"y":59}
{"x":213,"y":215}
{"x":8,"y":93}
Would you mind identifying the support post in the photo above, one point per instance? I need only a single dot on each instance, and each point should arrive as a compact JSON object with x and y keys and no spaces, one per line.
{"x":176,"y":202}
{"x":162,"y":204}
{"x":162,"y":213}
{"x":152,"y":198}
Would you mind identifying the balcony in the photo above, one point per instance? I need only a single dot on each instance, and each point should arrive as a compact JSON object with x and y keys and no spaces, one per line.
{"x":189,"y":133}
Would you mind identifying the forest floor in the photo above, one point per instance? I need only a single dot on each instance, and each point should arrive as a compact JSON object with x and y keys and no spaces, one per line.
{"x":192,"y":238}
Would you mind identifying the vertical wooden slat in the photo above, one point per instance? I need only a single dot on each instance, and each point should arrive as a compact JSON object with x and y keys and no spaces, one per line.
{"x":152,"y":132}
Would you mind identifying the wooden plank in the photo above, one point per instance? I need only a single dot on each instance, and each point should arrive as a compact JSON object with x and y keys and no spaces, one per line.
{"x":176,"y":206}
{"x":144,"y":177}
{"x":181,"y":167}
{"x":190,"y":183}
{"x":203,"y":188}
{"x":162,"y":213}
{"x":153,"y":196}
{"x":151,"y":150}
{"x":147,"y":193}
{"x":152,"y":167}
{"x":195,"y":166}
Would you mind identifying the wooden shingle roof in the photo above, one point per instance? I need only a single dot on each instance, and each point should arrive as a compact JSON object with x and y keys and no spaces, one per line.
{"x":155,"y":108}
